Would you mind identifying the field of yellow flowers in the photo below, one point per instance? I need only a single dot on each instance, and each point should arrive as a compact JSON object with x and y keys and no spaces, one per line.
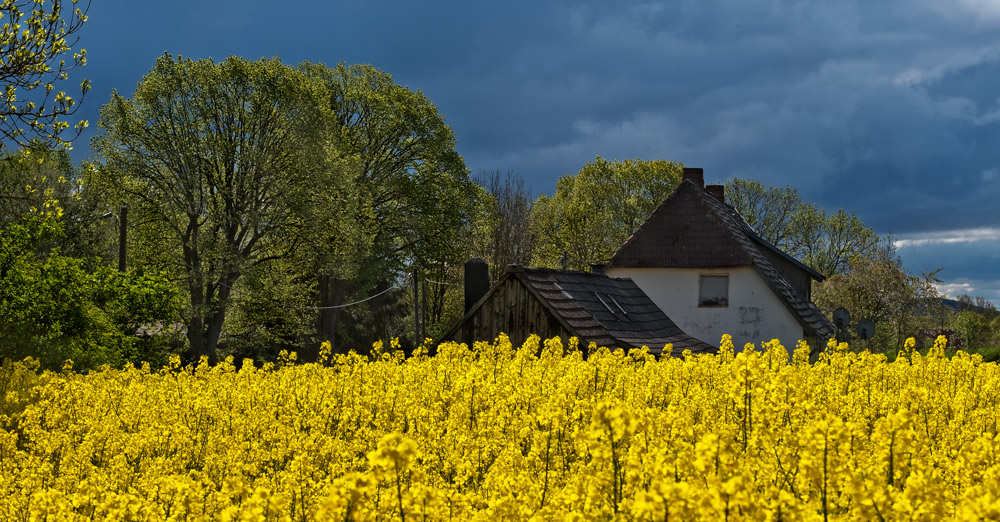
{"x":495,"y":432}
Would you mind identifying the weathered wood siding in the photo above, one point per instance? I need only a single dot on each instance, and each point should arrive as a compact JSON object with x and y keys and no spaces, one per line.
{"x":799,"y":279}
{"x":513,"y":310}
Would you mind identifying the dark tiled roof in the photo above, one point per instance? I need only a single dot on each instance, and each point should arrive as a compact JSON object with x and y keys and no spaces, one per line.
{"x":609,"y":311}
{"x":694,"y":229}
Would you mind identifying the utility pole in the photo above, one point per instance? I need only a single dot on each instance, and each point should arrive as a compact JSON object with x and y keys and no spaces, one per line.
{"x":423,"y":315}
{"x":122,"y":236}
{"x":416,"y":304}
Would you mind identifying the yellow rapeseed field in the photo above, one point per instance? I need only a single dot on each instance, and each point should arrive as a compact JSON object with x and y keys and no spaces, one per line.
{"x":495,"y":432}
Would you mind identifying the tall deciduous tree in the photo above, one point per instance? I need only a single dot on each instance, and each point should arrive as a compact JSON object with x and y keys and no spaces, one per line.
{"x":878,"y":288}
{"x":502,"y":234}
{"x":827,"y":242}
{"x":205,"y":151}
{"x":417,"y":196}
{"x":973,"y":329}
{"x":593,"y":212}
{"x":36,"y":39}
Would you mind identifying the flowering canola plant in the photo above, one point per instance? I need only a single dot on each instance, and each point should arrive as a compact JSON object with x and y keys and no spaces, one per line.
{"x":497,"y":432}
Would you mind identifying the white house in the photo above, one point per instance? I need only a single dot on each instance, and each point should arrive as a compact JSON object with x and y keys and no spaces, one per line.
{"x":704,"y":266}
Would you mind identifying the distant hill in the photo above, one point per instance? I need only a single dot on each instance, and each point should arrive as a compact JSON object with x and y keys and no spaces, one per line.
{"x":956,"y":305}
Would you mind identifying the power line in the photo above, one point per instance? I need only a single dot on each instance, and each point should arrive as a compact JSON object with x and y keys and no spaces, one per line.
{"x":340,"y":306}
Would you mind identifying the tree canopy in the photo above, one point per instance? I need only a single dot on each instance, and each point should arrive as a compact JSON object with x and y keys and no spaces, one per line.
{"x":827,"y":242}
{"x":594,"y":211}
{"x":205,"y":153}
{"x":416,"y":198}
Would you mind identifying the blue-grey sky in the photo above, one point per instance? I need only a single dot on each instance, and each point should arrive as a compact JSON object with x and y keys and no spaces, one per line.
{"x":890,"y":109}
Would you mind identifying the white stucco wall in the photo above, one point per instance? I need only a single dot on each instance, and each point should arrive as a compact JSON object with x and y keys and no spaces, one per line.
{"x":754,"y":313}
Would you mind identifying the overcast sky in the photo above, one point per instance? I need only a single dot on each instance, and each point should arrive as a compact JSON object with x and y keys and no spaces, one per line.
{"x":890,"y":109}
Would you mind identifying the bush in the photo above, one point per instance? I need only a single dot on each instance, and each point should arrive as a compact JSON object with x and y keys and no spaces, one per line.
{"x":53,"y":309}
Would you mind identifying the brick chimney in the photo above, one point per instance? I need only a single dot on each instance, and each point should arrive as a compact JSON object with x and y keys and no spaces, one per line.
{"x":477,"y":281}
{"x":719,"y":191}
{"x":697,"y":176}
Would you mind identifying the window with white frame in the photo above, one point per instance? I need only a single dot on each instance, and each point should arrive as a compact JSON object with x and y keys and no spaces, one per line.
{"x":713,"y":290}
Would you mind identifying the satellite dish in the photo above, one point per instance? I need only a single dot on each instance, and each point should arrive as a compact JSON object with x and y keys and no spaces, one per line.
{"x":841,"y":318}
{"x":866,"y":329}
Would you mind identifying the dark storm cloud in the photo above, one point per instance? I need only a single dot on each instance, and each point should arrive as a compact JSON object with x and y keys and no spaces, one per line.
{"x":848,"y":103}
{"x":886,"y":108}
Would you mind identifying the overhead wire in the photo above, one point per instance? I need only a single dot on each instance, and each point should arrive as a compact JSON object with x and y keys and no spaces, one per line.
{"x":345,"y":305}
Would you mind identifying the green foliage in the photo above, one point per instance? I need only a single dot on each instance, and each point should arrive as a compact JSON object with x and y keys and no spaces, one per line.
{"x":205,"y":156}
{"x":415,"y":199}
{"x":35,"y":39}
{"x":900,"y":304}
{"x":827,"y":242}
{"x":991,"y":354}
{"x":593,"y":212}
{"x":974,"y":329}
{"x":53,"y":309}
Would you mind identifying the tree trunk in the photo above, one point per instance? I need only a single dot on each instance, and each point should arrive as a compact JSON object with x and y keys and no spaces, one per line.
{"x":332,"y":292}
{"x":208,"y":319}
{"x":213,"y":333}
{"x":196,"y":337}
{"x":217,"y":317}
{"x":196,"y":328}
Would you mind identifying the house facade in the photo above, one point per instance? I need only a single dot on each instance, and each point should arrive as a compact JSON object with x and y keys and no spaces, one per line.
{"x":701,"y":263}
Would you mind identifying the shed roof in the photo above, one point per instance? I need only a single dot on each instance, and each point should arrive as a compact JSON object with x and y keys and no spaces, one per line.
{"x":608,"y":311}
{"x":695,"y":229}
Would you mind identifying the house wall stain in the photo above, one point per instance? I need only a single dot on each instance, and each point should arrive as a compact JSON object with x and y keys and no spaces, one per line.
{"x":751,"y":315}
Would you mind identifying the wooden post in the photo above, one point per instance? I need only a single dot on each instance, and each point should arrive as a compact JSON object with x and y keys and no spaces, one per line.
{"x":416,"y":304}
{"x":423,"y":312}
{"x":122,"y":237}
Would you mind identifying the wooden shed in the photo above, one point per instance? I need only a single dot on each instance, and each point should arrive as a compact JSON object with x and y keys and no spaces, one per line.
{"x":593,"y":307}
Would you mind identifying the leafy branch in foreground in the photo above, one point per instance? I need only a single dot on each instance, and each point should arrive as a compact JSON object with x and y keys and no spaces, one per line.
{"x":36,"y":38}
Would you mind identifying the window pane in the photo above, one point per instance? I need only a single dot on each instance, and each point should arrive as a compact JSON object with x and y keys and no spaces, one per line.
{"x":714,"y":291}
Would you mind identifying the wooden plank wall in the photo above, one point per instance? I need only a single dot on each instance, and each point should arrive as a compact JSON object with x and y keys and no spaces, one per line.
{"x":515,"y":311}
{"x":798,"y":278}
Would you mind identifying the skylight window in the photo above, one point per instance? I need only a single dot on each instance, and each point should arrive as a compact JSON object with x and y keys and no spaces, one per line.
{"x":603,"y":302}
{"x":616,"y":304}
